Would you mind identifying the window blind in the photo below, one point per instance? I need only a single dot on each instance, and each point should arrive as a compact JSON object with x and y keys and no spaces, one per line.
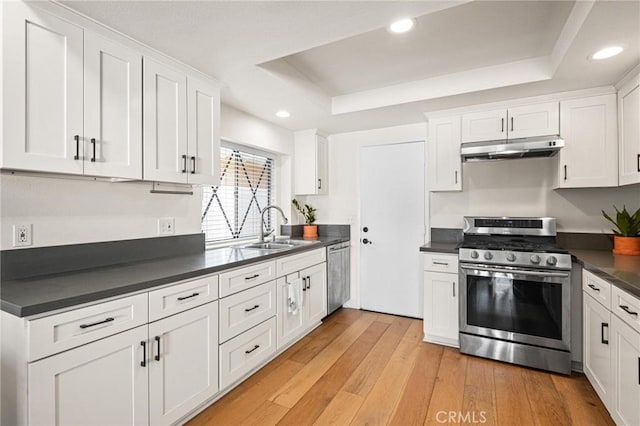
{"x":231,"y":210}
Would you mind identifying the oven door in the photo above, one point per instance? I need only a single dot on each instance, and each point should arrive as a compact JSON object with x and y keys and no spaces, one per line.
{"x":518,"y":305}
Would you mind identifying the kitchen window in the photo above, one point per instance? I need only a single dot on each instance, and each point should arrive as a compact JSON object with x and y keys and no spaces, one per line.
{"x":231,"y":210}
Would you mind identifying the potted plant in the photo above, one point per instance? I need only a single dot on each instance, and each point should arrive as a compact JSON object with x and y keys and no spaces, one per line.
{"x":626,"y":239}
{"x":310,"y":230}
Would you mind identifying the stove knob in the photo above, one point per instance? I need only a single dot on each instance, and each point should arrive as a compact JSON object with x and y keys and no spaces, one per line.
{"x":551,"y":261}
{"x":474,"y":254}
{"x":535,"y":259}
{"x":511,"y":257}
{"x":488,"y":255}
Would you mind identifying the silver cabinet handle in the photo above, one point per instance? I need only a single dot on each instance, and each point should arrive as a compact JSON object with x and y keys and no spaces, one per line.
{"x":453,"y":287}
{"x":502,"y":130}
{"x":441,"y":263}
{"x":456,"y":177}
{"x":512,"y":124}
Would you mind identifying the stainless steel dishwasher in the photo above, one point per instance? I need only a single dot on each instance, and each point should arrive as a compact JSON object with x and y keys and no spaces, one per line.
{"x":338,"y":276}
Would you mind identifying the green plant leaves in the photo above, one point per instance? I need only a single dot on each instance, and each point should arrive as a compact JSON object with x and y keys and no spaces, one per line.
{"x":308,"y":212}
{"x":628,"y":225}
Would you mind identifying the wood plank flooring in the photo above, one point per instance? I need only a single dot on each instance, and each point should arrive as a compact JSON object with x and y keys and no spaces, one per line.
{"x":365,"y":368}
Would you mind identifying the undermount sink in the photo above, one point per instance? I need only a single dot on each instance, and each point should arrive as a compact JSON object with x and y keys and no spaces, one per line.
{"x":278,"y":245}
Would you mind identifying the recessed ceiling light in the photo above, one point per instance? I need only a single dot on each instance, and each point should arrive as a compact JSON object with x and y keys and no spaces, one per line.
{"x":283,"y":113}
{"x":607,"y":52}
{"x":402,"y":25}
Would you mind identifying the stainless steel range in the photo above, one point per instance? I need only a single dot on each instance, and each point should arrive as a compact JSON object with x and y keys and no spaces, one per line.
{"x":515,"y":292}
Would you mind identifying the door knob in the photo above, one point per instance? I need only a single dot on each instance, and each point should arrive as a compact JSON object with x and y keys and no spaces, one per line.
{"x":365,"y":229}
{"x":365,"y":241}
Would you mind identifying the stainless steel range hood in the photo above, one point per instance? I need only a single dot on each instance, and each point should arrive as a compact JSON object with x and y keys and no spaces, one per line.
{"x":547,"y":146}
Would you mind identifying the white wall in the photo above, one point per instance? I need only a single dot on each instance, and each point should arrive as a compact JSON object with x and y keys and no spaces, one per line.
{"x":525,"y":188}
{"x":244,"y":129}
{"x":72,"y":211}
{"x":342,"y":204}
{"x":66,"y":210}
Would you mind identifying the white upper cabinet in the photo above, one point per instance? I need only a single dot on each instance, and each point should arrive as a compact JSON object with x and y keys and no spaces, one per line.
{"x":165,"y":123}
{"x":629,"y":118}
{"x":484,"y":126}
{"x":42,"y":91}
{"x":513,"y":123}
{"x":113,"y":109}
{"x":533,"y":120}
{"x":590,"y":155}
{"x":311,"y":163}
{"x":444,"y":164}
{"x":203,"y":132}
{"x":181,"y":126}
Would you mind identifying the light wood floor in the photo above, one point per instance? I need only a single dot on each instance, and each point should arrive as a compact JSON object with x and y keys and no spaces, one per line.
{"x":367,"y":368}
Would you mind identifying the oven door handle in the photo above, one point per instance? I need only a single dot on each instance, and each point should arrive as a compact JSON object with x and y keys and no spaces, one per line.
{"x":516,"y":271}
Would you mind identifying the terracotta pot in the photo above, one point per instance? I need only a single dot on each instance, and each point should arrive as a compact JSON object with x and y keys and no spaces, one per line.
{"x":310,"y":232}
{"x":626,"y":245}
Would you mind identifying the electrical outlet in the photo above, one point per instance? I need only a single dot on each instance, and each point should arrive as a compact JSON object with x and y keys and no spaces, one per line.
{"x":166,"y":226}
{"x":22,"y":235}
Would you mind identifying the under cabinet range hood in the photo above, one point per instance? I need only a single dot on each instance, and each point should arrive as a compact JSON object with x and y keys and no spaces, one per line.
{"x":511,"y":149}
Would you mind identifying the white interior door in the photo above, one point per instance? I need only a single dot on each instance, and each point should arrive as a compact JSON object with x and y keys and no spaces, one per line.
{"x":392,"y":210}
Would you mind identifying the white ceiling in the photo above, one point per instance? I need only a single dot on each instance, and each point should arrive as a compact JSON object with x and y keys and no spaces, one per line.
{"x":334,"y":66}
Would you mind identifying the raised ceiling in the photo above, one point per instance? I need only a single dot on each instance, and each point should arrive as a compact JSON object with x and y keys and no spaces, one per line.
{"x":334,"y":66}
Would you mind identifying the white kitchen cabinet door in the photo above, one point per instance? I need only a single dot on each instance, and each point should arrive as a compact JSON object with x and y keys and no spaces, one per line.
{"x":597,"y":347}
{"x":625,"y":349}
{"x":590,"y":155}
{"x":311,"y":163}
{"x":315,"y":293}
{"x":102,"y":383}
{"x":444,"y":163}
{"x":534,"y":120}
{"x":165,"y":123}
{"x":441,"y":308}
{"x":629,"y":119}
{"x":183,"y":365}
{"x":42,"y":91}
{"x":290,"y":325}
{"x":484,"y":126}
{"x":203,"y":132}
{"x":112,"y":109}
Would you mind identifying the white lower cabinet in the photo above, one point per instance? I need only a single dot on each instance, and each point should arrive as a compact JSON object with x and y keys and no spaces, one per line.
{"x":597,"y":346}
{"x":612,"y":352}
{"x":102,"y":383}
{"x":625,"y":352}
{"x":247,"y":351}
{"x":314,"y":306}
{"x":441,"y":299}
{"x":183,"y":363}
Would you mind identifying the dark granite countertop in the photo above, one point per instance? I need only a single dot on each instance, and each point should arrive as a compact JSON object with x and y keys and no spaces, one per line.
{"x":36,"y":295}
{"x":620,"y":270}
{"x":441,"y":247}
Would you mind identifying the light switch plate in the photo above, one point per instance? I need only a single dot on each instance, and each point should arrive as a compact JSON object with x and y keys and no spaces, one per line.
{"x":166,"y":226}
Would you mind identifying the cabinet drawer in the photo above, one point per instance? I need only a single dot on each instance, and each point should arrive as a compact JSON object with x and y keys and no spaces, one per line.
{"x":247,"y":277}
{"x":245,"y":352}
{"x":50,"y":335}
{"x":180,"y":297}
{"x":598,"y":288}
{"x":439,"y":262}
{"x":289,"y":264}
{"x":626,"y":307}
{"x":244,"y":310}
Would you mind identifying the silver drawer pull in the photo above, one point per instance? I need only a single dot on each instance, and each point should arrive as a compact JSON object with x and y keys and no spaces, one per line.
{"x":188,"y":297}
{"x":251,"y":309}
{"x":251,"y":350}
{"x":626,"y":309}
{"x":93,"y":324}
{"x":252,"y":277}
{"x":441,"y":263}
{"x":593,"y":287}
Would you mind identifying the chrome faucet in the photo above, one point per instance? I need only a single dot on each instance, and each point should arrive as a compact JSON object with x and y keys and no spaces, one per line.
{"x":262,"y":234}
